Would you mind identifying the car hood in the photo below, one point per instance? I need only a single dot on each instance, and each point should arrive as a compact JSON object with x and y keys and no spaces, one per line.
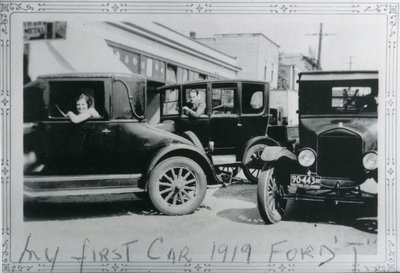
{"x":366,"y":128}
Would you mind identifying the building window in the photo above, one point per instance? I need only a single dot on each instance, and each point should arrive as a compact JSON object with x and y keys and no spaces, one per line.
{"x":149,"y":67}
{"x":185,"y":74}
{"x":44,"y":30}
{"x":171,"y":73}
{"x":272,"y":72}
{"x":265,"y":73}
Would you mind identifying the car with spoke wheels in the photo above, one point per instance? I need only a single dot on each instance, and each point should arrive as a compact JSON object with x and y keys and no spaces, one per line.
{"x":227,"y":118}
{"x":336,"y":159}
{"x":107,"y":150}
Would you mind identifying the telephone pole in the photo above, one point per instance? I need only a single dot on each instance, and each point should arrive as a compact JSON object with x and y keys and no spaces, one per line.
{"x":320,"y":34}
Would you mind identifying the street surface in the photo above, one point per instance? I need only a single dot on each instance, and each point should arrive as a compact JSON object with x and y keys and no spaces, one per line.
{"x":226,"y":228}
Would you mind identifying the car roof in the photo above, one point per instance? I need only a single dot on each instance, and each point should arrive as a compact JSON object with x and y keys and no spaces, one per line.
{"x":89,"y":75}
{"x":338,"y":75}
{"x":210,"y":81}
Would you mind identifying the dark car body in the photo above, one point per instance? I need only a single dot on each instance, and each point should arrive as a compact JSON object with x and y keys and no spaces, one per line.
{"x":113,"y":153}
{"x":235,"y":118}
{"x":338,"y":144}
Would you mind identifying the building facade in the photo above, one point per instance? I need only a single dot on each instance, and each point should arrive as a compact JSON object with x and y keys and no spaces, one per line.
{"x":257,"y":55}
{"x":286,"y":96}
{"x":153,"y":50}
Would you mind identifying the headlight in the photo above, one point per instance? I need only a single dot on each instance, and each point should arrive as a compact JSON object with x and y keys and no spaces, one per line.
{"x":306,"y":157}
{"x":370,"y":161}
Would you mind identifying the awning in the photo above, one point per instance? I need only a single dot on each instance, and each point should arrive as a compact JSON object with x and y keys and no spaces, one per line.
{"x":78,"y":53}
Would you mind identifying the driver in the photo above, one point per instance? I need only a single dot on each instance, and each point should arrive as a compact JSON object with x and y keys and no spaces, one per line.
{"x":195,"y":107}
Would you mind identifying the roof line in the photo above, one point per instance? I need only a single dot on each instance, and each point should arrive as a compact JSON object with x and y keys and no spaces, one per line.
{"x":183,"y":35}
{"x":257,"y":33}
{"x":130,"y":28}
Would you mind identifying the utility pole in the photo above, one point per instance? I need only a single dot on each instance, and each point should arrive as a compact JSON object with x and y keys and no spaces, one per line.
{"x":320,"y":34}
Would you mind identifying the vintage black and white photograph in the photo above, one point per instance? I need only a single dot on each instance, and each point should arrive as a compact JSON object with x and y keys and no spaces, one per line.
{"x":207,"y":136}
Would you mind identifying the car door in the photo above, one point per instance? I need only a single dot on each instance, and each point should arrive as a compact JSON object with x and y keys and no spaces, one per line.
{"x":200,"y":124}
{"x":254,"y":109}
{"x":73,"y":147}
{"x":225,"y":128}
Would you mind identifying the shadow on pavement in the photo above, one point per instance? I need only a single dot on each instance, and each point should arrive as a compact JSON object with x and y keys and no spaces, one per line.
{"x":249,"y":216}
{"x":70,"y":211}
{"x":359,"y":216}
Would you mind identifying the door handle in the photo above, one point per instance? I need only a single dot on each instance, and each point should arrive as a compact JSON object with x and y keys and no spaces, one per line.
{"x":106,"y":131}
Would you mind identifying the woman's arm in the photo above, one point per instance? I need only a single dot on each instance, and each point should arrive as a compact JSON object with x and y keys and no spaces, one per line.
{"x":78,"y":118}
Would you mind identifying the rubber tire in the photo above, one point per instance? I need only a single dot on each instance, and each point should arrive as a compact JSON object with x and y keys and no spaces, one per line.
{"x":248,"y":153}
{"x":269,"y":214}
{"x":181,"y":209}
{"x":193,"y":138}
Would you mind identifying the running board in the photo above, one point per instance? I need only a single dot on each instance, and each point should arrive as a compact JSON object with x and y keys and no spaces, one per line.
{"x":77,"y":182}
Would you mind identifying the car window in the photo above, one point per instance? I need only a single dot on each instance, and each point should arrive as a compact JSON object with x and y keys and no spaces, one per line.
{"x":63,"y":96}
{"x":223,"y":98}
{"x":194,"y":97}
{"x":352,"y":98}
{"x":338,"y":97}
{"x":169,"y":98}
{"x":252,"y":98}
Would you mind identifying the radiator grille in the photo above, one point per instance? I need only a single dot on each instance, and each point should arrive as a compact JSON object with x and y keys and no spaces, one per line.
{"x":339,"y":156}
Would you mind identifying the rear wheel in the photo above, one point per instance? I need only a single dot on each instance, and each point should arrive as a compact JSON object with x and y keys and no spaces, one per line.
{"x":253,"y":163}
{"x":177,"y":186}
{"x":270,"y":193}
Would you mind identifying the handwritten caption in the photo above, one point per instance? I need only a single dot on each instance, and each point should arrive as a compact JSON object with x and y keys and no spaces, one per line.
{"x":159,"y":250}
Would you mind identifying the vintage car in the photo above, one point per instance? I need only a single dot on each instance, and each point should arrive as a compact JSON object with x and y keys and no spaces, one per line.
{"x":115,"y":153}
{"x":233,"y":124}
{"x":337,"y":150}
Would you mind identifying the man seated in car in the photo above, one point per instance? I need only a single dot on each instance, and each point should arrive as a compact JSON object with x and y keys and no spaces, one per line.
{"x":195,"y":107}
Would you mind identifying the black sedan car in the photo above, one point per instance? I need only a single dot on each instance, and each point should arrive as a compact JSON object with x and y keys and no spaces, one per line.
{"x":227,"y":118}
{"x":85,"y":134}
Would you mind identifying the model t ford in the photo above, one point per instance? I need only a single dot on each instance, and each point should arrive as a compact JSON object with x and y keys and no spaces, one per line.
{"x":337,"y":152}
{"x":226,"y":118}
{"x":86,"y":135}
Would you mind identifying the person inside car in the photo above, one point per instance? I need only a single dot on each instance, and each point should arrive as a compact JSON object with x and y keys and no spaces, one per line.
{"x":195,"y":107}
{"x":84,"y":109}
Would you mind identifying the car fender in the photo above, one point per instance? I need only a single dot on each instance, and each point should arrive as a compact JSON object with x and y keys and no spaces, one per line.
{"x":274,"y":153}
{"x":256,"y":140}
{"x":191,"y":152}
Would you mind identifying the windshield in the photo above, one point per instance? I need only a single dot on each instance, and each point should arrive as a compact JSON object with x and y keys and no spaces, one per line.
{"x":340,"y":97}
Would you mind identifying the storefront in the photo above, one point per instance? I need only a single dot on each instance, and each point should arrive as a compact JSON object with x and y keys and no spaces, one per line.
{"x":155,"y":51}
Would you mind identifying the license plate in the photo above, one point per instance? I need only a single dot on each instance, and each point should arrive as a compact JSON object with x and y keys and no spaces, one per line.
{"x":305,"y":181}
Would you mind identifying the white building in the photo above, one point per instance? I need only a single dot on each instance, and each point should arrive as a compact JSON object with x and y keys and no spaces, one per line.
{"x":153,"y":50}
{"x":257,"y":55}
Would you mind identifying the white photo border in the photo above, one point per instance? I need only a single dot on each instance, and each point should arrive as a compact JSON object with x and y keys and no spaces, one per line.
{"x":390,"y":120}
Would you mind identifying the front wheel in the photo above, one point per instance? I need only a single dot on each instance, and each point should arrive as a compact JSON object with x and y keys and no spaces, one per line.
{"x":270,"y":193}
{"x":177,"y":186}
{"x":253,"y":163}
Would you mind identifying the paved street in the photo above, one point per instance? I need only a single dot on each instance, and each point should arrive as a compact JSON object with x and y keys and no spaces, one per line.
{"x":226,"y":228}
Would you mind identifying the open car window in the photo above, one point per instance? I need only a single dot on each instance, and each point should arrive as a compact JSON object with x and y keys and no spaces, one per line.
{"x":169,"y":99}
{"x":223,"y":98}
{"x":199,"y":91}
{"x":64,"y":94}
